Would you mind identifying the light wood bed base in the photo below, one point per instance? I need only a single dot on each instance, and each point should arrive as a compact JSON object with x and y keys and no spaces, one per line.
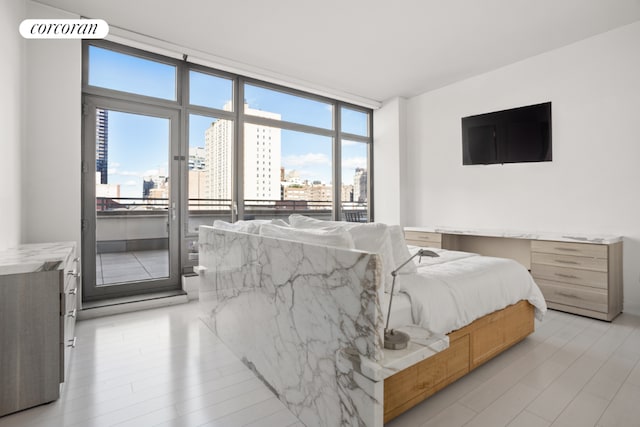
{"x":469,"y":347}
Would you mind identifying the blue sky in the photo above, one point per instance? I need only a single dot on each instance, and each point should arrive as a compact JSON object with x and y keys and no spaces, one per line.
{"x":138,"y":148}
{"x":138,"y":145}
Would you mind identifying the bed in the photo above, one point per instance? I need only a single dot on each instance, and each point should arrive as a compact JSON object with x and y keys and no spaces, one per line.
{"x":290,"y":307}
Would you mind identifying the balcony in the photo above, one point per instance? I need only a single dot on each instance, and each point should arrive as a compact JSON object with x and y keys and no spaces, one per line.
{"x":132,"y":233}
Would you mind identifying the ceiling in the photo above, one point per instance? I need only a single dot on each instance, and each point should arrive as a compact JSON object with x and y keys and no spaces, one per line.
{"x":371,"y":49}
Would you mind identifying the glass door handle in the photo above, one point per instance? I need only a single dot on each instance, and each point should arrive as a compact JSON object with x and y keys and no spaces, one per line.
{"x":173,"y":211}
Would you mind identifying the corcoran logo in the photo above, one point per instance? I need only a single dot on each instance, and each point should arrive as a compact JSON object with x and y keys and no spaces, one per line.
{"x":64,"y":29}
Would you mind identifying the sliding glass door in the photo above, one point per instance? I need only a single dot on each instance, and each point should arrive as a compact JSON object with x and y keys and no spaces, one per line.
{"x":131,"y":202}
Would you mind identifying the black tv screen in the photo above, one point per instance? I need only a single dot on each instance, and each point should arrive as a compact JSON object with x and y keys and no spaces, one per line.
{"x":510,"y":136}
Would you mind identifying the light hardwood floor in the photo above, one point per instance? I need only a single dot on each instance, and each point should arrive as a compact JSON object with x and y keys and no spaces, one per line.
{"x":164,"y":367}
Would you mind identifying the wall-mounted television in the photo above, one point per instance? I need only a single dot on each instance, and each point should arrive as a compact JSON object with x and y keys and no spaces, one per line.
{"x":510,"y":136}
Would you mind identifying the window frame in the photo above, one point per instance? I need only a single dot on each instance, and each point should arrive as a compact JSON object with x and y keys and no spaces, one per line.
{"x":239,"y":118}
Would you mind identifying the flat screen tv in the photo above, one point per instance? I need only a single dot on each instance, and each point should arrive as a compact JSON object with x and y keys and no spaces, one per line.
{"x":510,"y":136}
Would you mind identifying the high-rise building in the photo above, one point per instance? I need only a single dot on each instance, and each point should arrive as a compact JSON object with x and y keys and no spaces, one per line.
{"x":218,"y":167}
{"x":360,"y":185}
{"x":197,"y":176}
{"x":262,"y":159}
{"x":106,"y":191}
{"x":346,"y":193}
{"x":197,"y":158}
{"x":102,"y":144}
{"x":155,"y":187}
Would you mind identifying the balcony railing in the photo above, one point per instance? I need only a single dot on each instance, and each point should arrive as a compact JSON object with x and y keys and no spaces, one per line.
{"x":131,"y":231}
{"x":130,"y":204}
{"x":128,"y":218}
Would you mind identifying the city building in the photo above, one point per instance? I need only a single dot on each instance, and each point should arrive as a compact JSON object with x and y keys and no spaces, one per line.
{"x":102,"y":145}
{"x":347,"y":193}
{"x":155,"y":187}
{"x":262,"y":165}
{"x":197,"y":158}
{"x":218,"y":160}
{"x":360,"y":185}
{"x":111,"y":191}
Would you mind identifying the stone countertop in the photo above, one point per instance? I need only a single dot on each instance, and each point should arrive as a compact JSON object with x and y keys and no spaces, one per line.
{"x":34,"y":257}
{"x":423,"y":345}
{"x":520,"y":234}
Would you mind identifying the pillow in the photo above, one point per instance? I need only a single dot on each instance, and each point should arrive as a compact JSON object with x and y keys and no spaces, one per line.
{"x":336,"y":237}
{"x":280,"y":222}
{"x":374,"y":237}
{"x":251,"y":227}
{"x":306,"y":222}
{"x":369,"y":237}
{"x":400,"y":250}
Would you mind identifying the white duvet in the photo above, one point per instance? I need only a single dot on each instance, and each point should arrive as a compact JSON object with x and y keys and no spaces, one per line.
{"x":455,"y":289}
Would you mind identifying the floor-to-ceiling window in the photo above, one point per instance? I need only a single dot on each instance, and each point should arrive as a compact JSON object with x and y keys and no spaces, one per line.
{"x":169,"y":145}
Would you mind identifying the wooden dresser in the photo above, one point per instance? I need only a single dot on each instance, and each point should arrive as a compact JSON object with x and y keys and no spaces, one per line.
{"x":581,"y":275}
{"x":423,"y":238}
{"x":581,"y":278}
{"x":38,"y":290}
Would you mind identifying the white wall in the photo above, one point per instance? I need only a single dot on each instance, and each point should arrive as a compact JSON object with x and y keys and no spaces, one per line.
{"x":389,"y":137}
{"x":591,"y":186}
{"x":51,"y":176}
{"x":11,"y":120}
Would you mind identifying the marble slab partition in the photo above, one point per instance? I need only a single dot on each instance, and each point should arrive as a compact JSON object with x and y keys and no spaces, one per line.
{"x":287,"y":309}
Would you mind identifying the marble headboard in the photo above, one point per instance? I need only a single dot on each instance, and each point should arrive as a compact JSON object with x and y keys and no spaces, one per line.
{"x":286,"y":309}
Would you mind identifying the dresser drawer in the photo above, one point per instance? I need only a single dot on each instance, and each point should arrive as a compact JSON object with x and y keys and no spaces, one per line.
{"x":70,"y":315}
{"x":569,"y":261}
{"x":67,"y":324}
{"x":71,"y":276}
{"x":423,"y":238}
{"x":574,"y":295}
{"x":596,"y":279}
{"x":565,"y":248}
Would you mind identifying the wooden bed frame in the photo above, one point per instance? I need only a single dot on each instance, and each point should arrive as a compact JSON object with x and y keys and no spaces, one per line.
{"x":469,"y":347}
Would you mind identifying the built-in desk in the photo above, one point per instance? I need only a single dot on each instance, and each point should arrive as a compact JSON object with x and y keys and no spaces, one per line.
{"x":579,"y":274}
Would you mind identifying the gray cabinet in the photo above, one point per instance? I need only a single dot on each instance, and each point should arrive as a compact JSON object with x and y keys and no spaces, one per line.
{"x":38,"y":285}
{"x":581,"y":278}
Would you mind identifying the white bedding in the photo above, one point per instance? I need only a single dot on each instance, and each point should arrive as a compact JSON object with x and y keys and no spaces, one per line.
{"x":400,"y":310}
{"x":455,"y":289}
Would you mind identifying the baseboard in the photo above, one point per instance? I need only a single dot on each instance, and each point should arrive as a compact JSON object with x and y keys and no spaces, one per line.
{"x":131,"y":304}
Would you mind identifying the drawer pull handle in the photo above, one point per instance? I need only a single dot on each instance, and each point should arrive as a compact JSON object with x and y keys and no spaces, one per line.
{"x":72,"y":342}
{"x":564,"y":294}
{"x":76,"y":259}
{"x":73,"y":273}
{"x":562,"y":261}
{"x":72,"y":313}
{"x":73,"y":291}
{"x":568,"y":249}
{"x":567,"y":276}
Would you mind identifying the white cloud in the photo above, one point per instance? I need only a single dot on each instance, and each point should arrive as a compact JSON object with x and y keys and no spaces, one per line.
{"x":151,"y":172}
{"x":354,"y":162}
{"x":305,"y":160}
{"x":132,"y":183}
{"x":117,"y":172}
